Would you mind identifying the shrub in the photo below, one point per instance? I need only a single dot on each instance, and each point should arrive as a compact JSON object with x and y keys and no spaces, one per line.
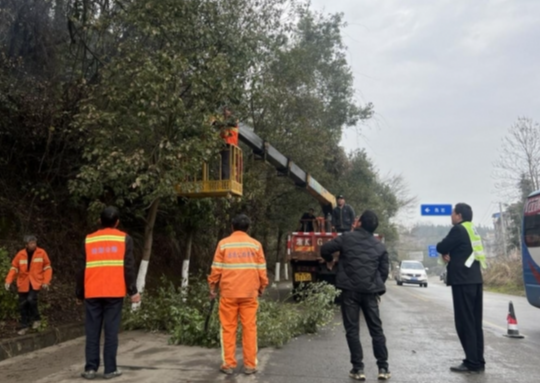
{"x":8,"y":300}
{"x":505,"y":274}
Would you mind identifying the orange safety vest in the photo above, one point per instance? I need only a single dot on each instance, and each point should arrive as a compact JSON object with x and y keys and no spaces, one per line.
{"x":230,"y":135}
{"x":38,"y":273}
{"x":239,"y":267}
{"x":104,"y":274}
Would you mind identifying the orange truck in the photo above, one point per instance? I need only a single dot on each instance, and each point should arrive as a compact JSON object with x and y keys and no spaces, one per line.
{"x":304,"y":255}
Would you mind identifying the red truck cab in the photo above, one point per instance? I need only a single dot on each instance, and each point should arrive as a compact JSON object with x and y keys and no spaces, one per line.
{"x":304,"y":255}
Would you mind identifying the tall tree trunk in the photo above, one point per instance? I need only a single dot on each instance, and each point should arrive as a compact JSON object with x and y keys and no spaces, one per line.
{"x":147,"y":252}
{"x":185,"y":264}
{"x":278,"y":256}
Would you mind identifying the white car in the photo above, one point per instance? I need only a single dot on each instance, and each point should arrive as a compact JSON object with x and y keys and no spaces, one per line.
{"x":412,"y":272}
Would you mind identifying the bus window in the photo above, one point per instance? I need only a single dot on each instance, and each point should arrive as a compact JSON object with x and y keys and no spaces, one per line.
{"x":531,"y":225}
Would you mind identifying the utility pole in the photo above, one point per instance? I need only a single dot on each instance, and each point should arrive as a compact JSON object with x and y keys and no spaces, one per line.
{"x":519,"y":238}
{"x":503,"y":230}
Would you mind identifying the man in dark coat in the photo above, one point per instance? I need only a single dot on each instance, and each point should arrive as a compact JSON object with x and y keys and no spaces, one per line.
{"x":343,"y":216}
{"x":467,"y":293}
{"x":308,"y":222}
{"x":362,"y":271}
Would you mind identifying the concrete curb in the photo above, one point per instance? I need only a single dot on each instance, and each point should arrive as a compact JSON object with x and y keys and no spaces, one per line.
{"x":27,"y":343}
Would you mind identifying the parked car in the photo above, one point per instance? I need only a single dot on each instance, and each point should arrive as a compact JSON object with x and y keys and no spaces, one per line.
{"x":412,"y":272}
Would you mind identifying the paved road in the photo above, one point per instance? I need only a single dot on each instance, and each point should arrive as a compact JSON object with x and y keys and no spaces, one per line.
{"x":421,"y":339}
{"x":422,"y":343}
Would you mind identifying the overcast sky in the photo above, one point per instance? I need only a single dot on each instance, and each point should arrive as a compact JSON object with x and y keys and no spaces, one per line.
{"x":447,"y":78}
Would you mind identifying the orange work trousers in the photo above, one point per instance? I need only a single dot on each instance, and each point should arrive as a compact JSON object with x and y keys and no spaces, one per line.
{"x":229,"y":311}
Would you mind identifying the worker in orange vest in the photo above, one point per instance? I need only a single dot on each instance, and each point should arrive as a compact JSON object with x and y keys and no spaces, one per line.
{"x":228,"y":126}
{"x":239,"y":271}
{"x":106,"y":274}
{"x":32,"y":268}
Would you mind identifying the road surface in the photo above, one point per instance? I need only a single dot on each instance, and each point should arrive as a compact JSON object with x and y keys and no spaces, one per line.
{"x":421,"y":340}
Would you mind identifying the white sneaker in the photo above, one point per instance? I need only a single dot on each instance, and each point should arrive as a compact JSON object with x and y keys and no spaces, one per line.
{"x":36,"y":325}
{"x":22,"y":331}
{"x":112,"y":375}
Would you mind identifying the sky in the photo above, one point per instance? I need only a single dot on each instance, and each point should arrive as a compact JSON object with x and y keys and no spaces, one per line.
{"x":447,"y":78}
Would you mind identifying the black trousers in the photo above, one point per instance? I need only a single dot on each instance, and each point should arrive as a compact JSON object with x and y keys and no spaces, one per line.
{"x":351,"y":304}
{"x":28,"y":306}
{"x":226,"y":163}
{"x":468,"y":305}
{"x":107,"y":313}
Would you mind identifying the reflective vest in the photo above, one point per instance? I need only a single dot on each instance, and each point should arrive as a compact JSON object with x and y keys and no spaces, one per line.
{"x":239,"y":267}
{"x":37,"y":273}
{"x":478,"y":253}
{"x":230,"y":135}
{"x":228,"y":129}
{"x":104,"y":274}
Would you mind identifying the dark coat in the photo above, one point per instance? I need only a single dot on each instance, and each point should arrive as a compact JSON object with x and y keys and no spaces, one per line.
{"x":363,"y":262}
{"x":458,"y":245}
{"x":343,"y":218}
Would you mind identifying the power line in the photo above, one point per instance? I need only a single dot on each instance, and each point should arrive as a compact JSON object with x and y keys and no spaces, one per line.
{"x":487,"y":212}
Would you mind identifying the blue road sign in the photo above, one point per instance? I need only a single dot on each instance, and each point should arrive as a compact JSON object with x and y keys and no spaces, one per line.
{"x":432,"y":251}
{"x":436,"y":209}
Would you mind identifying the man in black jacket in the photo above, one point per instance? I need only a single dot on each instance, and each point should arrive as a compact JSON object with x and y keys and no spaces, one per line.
{"x":343,"y":216}
{"x":362,"y":272}
{"x":466,"y":284}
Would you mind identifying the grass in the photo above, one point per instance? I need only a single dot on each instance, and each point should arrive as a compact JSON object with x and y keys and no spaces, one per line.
{"x":507,"y":289}
{"x":505,"y":275}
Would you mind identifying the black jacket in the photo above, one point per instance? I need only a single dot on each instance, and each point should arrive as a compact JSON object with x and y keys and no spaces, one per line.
{"x":129,"y":271}
{"x":343,"y":218}
{"x":457,"y":244}
{"x":363,"y":262}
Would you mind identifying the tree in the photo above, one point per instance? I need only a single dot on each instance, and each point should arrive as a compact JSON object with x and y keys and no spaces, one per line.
{"x":300,"y":104}
{"x":514,"y":213}
{"x":147,"y":119}
{"x":519,"y":159}
{"x":518,"y":171}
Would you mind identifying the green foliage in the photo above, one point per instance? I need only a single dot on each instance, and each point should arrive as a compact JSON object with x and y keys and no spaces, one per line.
{"x":108,"y":103}
{"x":8,"y":300}
{"x":147,"y":120}
{"x":182,"y":314}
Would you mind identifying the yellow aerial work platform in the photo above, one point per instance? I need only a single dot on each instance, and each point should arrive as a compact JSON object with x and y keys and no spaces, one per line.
{"x":220,"y":178}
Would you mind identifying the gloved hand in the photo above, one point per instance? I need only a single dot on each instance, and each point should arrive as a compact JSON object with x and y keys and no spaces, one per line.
{"x":45,"y":287}
{"x":7,"y":286}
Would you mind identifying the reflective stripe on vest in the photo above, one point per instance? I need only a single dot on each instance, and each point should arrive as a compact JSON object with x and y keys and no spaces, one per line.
{"x":478,"y":253}
{"x":239,"y":266}
{"x":104,"y":264}
{"x":100,"y":238}
{"x":104,"y":274}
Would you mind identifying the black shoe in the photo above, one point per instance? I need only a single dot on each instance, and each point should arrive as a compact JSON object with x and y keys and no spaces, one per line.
{"x":384,"y":374}
{"x":357,"y":375}
{"x":464,"y":369}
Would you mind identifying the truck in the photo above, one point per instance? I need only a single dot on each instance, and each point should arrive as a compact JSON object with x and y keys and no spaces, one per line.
{"x":304,"y":256}
{"x":303,"y":249}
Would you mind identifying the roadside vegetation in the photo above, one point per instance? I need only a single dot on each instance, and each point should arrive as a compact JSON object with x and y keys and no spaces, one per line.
{"x":107,"y":102}
{"x":505,"y":275}
{"x":182,"y":314}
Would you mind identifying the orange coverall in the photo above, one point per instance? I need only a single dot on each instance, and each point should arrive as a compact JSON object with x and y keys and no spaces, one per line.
{"x":239,"y":269}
